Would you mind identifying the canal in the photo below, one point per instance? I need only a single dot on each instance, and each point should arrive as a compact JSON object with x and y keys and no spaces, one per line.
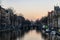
{"x":32,"y":35}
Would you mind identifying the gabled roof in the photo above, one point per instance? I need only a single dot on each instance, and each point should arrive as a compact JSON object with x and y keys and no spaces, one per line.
{"x":1,"y":8}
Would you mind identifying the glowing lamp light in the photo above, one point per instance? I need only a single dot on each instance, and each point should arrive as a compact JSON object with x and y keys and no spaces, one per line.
{"x":46,"y":27}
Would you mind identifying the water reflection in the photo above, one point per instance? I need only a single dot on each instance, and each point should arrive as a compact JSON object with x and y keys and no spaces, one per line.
{"x":32,"y":35}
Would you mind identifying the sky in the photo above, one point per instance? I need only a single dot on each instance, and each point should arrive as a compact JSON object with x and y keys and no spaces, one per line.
{"x":31,"y":9}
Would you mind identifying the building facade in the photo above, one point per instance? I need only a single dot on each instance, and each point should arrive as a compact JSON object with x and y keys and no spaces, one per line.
{"x":54,"y":17}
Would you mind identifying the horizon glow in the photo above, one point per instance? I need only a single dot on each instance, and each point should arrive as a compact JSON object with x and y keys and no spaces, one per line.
{"x":31,"y":9}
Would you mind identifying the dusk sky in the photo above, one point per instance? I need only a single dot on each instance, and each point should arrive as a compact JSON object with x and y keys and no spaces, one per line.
{"x":31,"y":9}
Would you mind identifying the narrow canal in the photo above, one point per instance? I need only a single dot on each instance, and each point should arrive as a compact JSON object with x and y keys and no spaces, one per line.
{"x":32,"y":35}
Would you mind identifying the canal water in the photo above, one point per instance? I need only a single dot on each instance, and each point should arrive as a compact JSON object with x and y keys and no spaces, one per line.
{"x":32,"y":35}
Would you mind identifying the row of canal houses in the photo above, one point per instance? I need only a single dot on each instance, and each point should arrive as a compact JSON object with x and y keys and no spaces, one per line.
{"x":54,"y":17}
{"x":12,"y":25}
{"x":8,"y":18}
